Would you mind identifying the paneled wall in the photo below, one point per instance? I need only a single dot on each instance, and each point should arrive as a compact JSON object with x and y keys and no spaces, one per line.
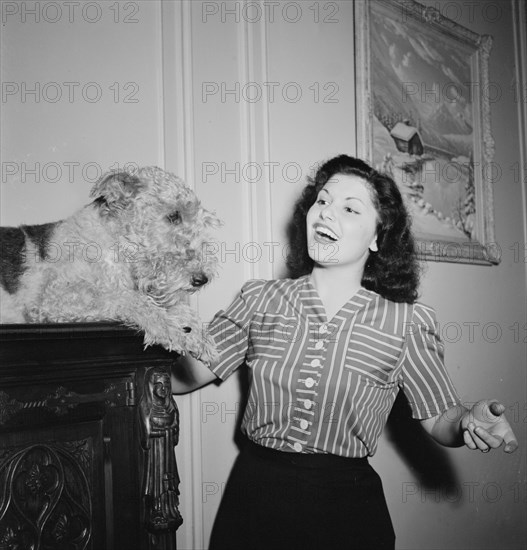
{"x":243,"y":99}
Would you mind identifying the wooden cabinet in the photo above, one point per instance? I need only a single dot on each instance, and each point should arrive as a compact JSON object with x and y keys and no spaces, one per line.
{"x":87,"y":434}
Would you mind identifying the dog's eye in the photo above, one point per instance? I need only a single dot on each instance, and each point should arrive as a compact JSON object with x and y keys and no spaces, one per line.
{"x":175,"y":217}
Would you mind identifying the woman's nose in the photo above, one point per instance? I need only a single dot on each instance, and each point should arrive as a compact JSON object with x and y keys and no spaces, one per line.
{"x":327,"y":213}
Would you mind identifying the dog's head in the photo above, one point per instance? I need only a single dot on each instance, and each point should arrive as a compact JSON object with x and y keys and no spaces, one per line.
{"x":163,"y":231}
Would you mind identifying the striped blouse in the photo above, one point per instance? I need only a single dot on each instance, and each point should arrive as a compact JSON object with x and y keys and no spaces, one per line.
{"x":327,"y":386}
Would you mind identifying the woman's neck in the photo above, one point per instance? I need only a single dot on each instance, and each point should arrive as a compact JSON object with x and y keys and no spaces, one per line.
{"x":334,"y":278}
{"x":335,"y":287}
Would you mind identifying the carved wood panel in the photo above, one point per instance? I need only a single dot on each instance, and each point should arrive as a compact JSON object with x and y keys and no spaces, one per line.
{"x":47,"y":498}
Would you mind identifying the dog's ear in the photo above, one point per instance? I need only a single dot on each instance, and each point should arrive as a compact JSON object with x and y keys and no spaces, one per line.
{"x":116,"y":190}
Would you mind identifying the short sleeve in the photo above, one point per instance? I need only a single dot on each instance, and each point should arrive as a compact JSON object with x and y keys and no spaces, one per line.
{"x":230,"y":329}
{"x":424,"y":379}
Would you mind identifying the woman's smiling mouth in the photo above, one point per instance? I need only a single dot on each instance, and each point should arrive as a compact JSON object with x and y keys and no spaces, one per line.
{"x":324,"y":234}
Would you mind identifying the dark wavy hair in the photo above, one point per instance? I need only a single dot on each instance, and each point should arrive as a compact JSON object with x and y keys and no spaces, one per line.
{"x":393,"y":271}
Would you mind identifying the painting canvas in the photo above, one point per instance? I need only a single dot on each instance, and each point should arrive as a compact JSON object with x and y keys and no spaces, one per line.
{"x":423,"y":117}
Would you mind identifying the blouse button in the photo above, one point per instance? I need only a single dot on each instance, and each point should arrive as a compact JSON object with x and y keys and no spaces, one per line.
{"x":297,"y":447}
{"x":304,"y":424}
{"x":308,"y":403}
{"x":316,"y":363}
{"x":309,"y":382}
{"x":323,"y":328}
{"x":319,"y":344}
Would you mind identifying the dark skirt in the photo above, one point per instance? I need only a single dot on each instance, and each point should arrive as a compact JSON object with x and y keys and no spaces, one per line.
{"x":276,"y":500}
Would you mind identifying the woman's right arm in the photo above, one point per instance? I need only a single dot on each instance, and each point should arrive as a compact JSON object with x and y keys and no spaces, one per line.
{"x":189,"y":374}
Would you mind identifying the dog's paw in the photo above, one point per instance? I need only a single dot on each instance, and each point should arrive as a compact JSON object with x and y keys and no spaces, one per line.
{"x":181,"y":332}
{"x":170,"y":336}
{"x":206,"y":352}
{"x":199,"y":344}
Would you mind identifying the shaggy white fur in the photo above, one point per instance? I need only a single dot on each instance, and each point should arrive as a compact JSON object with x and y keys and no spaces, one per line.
{"x":133,"y":255}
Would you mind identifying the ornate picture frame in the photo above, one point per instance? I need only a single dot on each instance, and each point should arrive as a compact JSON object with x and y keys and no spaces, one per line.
{"x":423,"y":116}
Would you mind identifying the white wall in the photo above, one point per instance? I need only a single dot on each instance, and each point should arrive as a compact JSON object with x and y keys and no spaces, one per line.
{"x":247,"y":157}
{"x":98,"y":101}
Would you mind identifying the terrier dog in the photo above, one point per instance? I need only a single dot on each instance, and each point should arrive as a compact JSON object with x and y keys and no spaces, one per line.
{"x":133,"y":255}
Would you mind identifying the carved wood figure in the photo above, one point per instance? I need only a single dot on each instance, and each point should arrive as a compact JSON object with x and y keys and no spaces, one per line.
{"x":160,"y":433}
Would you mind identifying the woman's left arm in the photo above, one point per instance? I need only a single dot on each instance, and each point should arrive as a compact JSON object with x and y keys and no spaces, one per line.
{"x":482,"y":427}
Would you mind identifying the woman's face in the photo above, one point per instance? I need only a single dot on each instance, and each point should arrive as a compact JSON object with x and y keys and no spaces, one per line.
{"x":342,"y":223}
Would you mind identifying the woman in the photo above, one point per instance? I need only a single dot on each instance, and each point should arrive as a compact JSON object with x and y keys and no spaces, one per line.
{"x":327,"y":353}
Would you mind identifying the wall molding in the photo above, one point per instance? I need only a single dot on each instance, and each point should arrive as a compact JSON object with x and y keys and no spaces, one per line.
{"x":255,"y":134}
{"x":179,"y":157}
{"x":519,"y":16}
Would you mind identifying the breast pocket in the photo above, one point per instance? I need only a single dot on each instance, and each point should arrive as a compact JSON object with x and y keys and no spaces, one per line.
{"x":271,"y":334}
{"x":374,"y":354}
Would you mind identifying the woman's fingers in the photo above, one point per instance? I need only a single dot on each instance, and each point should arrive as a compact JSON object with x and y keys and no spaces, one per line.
{"x":479,"y":438}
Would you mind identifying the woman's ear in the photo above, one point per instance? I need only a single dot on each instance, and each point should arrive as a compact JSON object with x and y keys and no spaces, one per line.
{"x":373,"y":245}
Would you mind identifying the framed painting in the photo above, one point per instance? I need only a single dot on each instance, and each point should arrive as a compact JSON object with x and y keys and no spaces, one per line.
{"x":423,"y":116}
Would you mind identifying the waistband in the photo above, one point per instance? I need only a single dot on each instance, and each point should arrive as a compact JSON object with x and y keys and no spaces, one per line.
{"x":306,"y":460}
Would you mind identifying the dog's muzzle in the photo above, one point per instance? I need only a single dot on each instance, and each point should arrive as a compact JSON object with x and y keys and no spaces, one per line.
{"x":199,"y":279}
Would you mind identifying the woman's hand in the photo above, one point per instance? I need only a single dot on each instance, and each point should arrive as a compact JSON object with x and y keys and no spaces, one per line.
{"x":485,"y":427}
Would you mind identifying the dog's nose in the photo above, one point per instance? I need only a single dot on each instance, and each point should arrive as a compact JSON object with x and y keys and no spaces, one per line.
{"x":199,"y":279}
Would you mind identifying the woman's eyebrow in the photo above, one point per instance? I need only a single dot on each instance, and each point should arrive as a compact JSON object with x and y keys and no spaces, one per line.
{"x":346,"y":199}
{"x":356,"y":198}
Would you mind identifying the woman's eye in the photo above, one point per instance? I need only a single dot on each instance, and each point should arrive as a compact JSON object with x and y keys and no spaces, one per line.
{"x":321,"y":201}
{"x":348,"y":209}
